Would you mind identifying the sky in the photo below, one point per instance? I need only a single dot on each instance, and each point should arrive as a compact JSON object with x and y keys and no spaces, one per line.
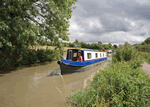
{"x":110,"y":21}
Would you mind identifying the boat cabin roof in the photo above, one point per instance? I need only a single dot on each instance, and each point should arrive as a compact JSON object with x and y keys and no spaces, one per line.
{"x":86,"y":50}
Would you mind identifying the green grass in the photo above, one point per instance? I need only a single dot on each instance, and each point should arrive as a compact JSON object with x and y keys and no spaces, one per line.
{"x":117,"y":86}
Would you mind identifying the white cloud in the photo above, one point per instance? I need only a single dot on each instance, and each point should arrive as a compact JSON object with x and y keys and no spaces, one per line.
{"x":142,"y":1}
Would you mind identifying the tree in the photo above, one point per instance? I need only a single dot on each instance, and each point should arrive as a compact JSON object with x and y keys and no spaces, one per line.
{"x":21,"y":22}
{"x":147,"y":41}
{"x":126,"y":44}
{"x":109,"y":45}
{"x":115,"y":46}
{"x":76,"y":41}
{"x":106,"y":47}
{"x":99,"y":42}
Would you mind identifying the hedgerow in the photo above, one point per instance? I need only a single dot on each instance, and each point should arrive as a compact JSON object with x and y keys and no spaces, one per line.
{"x":127,"y":53}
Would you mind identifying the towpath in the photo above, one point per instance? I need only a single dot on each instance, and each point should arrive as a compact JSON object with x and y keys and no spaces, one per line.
{"x":146,"y":68}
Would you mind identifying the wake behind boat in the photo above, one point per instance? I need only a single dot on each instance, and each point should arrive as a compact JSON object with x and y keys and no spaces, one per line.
{"x":78,"y":60}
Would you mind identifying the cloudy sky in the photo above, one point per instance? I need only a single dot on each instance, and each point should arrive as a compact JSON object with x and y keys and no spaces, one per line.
{"x":110,"y":21}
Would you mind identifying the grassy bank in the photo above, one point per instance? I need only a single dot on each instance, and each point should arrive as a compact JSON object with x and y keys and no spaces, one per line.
{"x":145,"y":56}
{"x":122,"y":84}
{"x":117,"y":85}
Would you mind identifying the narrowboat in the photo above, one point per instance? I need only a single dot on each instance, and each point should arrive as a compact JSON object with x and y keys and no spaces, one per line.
{"x":90,"y":58}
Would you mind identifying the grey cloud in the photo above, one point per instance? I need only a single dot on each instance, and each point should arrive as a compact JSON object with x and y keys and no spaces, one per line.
{"x":111,"y":14}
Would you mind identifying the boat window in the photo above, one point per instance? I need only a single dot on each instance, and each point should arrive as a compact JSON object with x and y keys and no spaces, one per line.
{"x":103,"y":54}
{"x":75,"y":55}
{"x":89,"y":55}
{"x":100,"y":55}
{"x":96,"y":55}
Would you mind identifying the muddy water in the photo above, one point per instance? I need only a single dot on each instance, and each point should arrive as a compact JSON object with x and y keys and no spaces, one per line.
{"x":34,"y":87}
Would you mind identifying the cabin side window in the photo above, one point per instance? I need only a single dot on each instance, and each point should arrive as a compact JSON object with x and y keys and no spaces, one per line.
{"x":100,"y":55}
{"x":88,"y":55}
{"x":96,"y":55}
{"x":103,"y":55}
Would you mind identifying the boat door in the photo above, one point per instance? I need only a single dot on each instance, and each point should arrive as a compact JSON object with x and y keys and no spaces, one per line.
{"x":70,"y":55}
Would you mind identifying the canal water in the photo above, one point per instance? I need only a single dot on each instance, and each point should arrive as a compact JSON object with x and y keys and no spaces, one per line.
{"x":39,"y":86}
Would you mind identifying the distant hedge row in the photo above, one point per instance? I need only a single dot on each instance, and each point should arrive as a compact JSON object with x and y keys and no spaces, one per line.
{"x":143,"y":48}
{"x":19,"y":57}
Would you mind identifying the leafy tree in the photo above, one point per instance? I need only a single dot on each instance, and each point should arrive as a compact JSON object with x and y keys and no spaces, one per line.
{"x":143,"y":43}
{"x":126,"y":44}
{"x":21,"y":22}
{"x":76,"y":41}
{"x":109,"y":45}
{"x":24,"y":22}
{"x":99,"y":42}
{"x":106,"y":46}
{"x":147,"y":41}
{"x":72,"y":45}
{"x":115,"y":46}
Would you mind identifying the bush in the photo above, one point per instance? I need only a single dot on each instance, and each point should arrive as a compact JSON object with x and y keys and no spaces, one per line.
{"x":127,"y":53}
{"x":30,"y":57}
{"x":19,"y":57}
{"x":143,"y":48}
{"x":4,"y":61}
{"x":117,"y":86}
{"x":4,"y":57}
{"x":47,"y":55}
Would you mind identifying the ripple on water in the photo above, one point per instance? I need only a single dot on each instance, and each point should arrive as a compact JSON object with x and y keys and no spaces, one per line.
{"x":55,"y":72}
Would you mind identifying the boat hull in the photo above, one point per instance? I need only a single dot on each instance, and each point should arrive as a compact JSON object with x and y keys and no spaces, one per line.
{"x":66,"y":69}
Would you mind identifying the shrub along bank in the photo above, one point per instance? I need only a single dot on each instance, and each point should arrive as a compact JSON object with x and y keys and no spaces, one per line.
{"x":19,"y":57}
{"x":123,"y":83}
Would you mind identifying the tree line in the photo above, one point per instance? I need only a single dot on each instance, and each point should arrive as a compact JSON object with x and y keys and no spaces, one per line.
{"x":97,"y":46}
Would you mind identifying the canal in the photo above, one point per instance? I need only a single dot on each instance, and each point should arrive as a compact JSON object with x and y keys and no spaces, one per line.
{"x":40,"y":86}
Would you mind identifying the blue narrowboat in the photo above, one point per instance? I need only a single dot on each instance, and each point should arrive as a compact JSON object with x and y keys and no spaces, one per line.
{"x":90,"y":58}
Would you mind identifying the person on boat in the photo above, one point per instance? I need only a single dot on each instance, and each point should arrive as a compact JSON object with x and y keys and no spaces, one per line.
{"x":103,"y":49}
{"x":80,"y":59}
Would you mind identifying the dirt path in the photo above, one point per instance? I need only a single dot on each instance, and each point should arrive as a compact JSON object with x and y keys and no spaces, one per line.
{"x":146,"y":68}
